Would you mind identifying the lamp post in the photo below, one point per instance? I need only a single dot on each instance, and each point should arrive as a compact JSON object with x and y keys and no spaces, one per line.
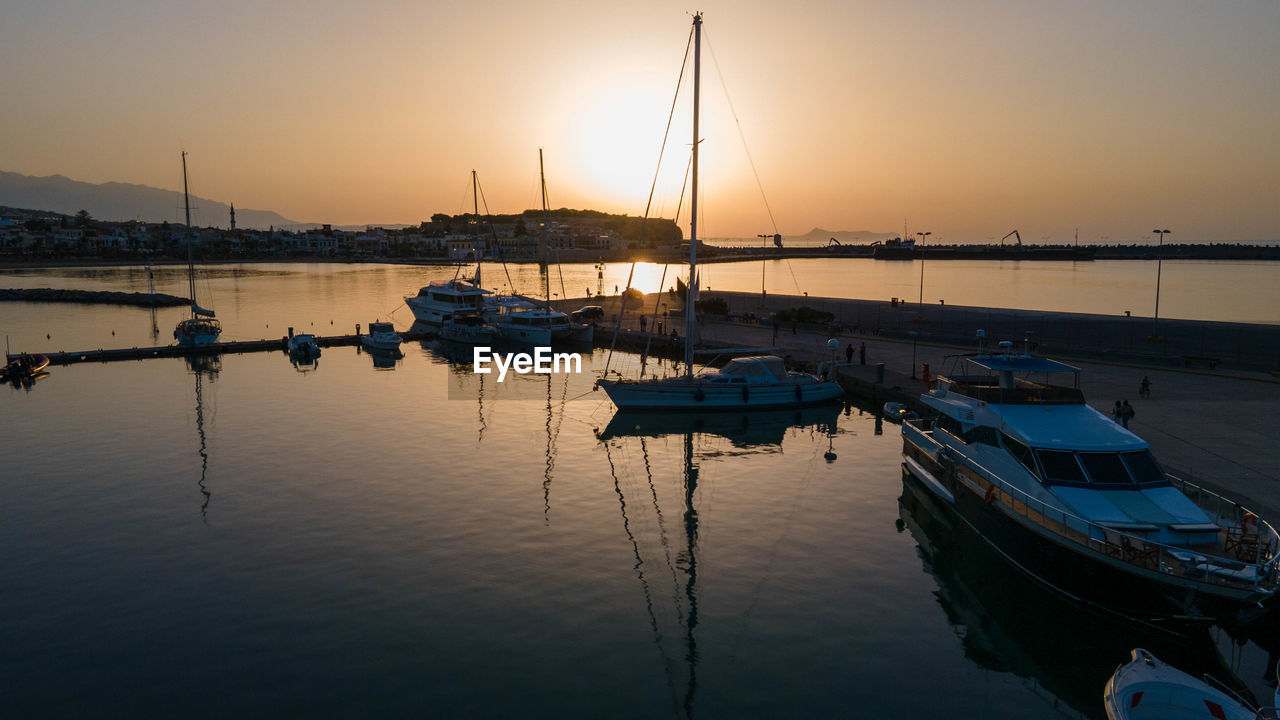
{"x":1155,"y":321}
{"x":920,"y":303}
{"x":914,"y":335}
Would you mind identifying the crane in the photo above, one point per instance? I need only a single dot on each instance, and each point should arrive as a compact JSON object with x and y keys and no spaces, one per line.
{"x":1016,"y":235}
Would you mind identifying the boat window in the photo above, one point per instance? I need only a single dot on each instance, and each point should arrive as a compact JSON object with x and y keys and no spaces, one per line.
{"x":1021,"y":452}
{"x":1060,"y":466}
{"x":1105,"y":468}
{"x":987,"y":436}
{"x":1144,"y":467}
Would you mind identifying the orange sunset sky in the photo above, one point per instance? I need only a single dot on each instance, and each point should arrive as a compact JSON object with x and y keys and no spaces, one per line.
{"x":965,"y":119}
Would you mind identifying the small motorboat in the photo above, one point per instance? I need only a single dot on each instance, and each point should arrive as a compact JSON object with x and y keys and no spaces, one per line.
{"x":303,"y":346}
{"x":381,"y":336}
{"x":24,"y":365}
{"x":1150,"y":688}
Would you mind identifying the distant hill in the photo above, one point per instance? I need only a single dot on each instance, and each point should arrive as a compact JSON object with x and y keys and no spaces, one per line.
{"x":818,"y":236}
{"x":119,"y":202}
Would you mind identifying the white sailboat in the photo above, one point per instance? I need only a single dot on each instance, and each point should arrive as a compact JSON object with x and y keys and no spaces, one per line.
{"x":744,"y":383}
{"x":202,"y":328}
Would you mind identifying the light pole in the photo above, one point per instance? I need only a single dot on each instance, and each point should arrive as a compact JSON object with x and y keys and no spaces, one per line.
{"x":914,"y":335}
{"x":1155,"y":321}
{"x":922,"y":235}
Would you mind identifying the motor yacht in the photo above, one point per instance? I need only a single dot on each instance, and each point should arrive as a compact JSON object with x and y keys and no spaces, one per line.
{"x":437,"y":302}
{"x":1079,"y":502}
{"x":381,"y":336}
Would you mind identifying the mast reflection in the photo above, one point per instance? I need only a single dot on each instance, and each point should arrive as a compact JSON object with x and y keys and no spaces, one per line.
{"x":202,"y":366}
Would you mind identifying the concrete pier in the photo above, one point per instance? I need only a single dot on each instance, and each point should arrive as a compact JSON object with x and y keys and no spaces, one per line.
{"x":1215,"y":425}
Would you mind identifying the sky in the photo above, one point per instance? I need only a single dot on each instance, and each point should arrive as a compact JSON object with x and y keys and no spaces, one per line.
{"x":965,"y":120}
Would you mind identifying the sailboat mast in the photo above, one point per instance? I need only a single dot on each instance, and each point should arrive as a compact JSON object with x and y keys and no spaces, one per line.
{"x":691,"y":292}
{"x":542,"y":237}
{"x":475,"y":213}
{"x":191,"y":265}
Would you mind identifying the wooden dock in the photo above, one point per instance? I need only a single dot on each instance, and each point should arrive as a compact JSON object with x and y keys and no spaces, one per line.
{"x":233,"y":347}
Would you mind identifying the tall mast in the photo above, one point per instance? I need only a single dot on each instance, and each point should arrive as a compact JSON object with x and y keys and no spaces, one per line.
{"x":475,"y":212}
{"x":191,"y":265}
{"x":542,"y":237}
{"x":691,"y":292}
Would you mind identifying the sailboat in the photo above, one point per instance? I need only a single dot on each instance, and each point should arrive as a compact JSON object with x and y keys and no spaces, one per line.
{"x":202,"y":328}
{"x":438,"y":303}
{"x":520,"y":321}
{"x":743,"y":383}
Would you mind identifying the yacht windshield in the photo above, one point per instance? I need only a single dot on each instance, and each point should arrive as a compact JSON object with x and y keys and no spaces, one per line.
{"x":1061,"y":467}
{"x":1105,"y":468}
{"x":1144,"y":467}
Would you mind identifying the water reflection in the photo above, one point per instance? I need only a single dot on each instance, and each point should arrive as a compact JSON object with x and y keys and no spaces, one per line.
{"x":203,"y":366}
{"x":1009,"y":624}
{"x":385,"y":359}
{"x":27,"y":382}
{"x":759,"y":429}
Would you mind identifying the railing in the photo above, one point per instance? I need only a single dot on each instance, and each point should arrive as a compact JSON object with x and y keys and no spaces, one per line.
{"x":1173,"y":560}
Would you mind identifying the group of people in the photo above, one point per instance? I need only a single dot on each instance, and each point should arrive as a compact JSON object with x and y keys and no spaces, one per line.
{"x":1122,"y":413}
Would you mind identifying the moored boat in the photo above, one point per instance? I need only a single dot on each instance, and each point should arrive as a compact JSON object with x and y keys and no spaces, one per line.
{"x":23,"y":365}
{"x":744,"y":383}
{"x":381,"y":336}
{"x":1148,"y":689}
{"x":202,"y":328}
{"x":1078,"y":502}
{"x":302,"y":345}
{"x":468,"y":328}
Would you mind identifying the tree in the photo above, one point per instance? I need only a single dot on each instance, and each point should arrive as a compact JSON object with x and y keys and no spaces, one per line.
{"x":83,"y":218}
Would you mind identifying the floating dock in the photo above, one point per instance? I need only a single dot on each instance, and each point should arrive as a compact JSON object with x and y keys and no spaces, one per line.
{"x":219,"y":348}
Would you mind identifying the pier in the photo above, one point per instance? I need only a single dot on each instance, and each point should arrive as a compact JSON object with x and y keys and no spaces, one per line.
{"x":218,"y":348}
{"x":1215,"y":387}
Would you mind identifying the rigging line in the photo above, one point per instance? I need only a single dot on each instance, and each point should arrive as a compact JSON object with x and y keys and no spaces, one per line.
{"x":666,"y":135}
{"x":493,"y":231}
{"x":741,"y":134}
{"x":657,"y":298}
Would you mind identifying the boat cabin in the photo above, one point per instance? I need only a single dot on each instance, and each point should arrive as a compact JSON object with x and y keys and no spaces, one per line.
{"x":750,"y":370}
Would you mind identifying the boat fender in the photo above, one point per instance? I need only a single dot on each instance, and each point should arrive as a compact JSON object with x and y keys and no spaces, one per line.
{"x":746,"y":394}
{"x":698,"y":394}
{"x":990,"y":497}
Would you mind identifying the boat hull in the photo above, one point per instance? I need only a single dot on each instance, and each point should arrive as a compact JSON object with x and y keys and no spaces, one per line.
{"x":666,"y":395}
{"x":1073,"y":570}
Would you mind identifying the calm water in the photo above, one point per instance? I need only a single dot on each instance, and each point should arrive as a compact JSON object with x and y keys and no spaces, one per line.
{"x":241,"y":537}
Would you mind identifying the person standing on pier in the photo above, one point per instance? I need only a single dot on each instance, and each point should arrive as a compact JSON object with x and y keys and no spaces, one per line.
{"x":848,"y":353}
{"x":862,"y":354}
{"x":1116,"y":412}
{"x":1144,"y":390}
{"x":1126,"y":413}
{"x":642,"y":323}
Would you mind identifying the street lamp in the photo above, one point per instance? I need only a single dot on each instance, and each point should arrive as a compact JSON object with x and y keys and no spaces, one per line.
{"x":914,"y":335}
{"x":922,"y":235}
{"x":1155,"y":321}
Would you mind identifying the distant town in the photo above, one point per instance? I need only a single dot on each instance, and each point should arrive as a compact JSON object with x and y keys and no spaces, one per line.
{"x":41,"y":237}
{"x":569,"y":236}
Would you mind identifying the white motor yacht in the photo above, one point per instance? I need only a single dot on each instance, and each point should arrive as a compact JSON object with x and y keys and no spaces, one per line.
{"x":437,"y":302}
{"x":1077,"y":501}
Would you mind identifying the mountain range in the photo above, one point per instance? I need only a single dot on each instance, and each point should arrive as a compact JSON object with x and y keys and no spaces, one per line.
{"x":119,"y":202}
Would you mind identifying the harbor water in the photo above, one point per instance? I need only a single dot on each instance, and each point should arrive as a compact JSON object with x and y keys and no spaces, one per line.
{"x":242,"y":536}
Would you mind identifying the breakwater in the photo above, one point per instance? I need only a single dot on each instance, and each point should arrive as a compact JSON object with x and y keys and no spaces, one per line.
{"x":95,"y":297}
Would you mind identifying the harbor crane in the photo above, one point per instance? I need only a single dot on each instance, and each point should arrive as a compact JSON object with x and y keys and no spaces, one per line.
{"x":1015,"y":234}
